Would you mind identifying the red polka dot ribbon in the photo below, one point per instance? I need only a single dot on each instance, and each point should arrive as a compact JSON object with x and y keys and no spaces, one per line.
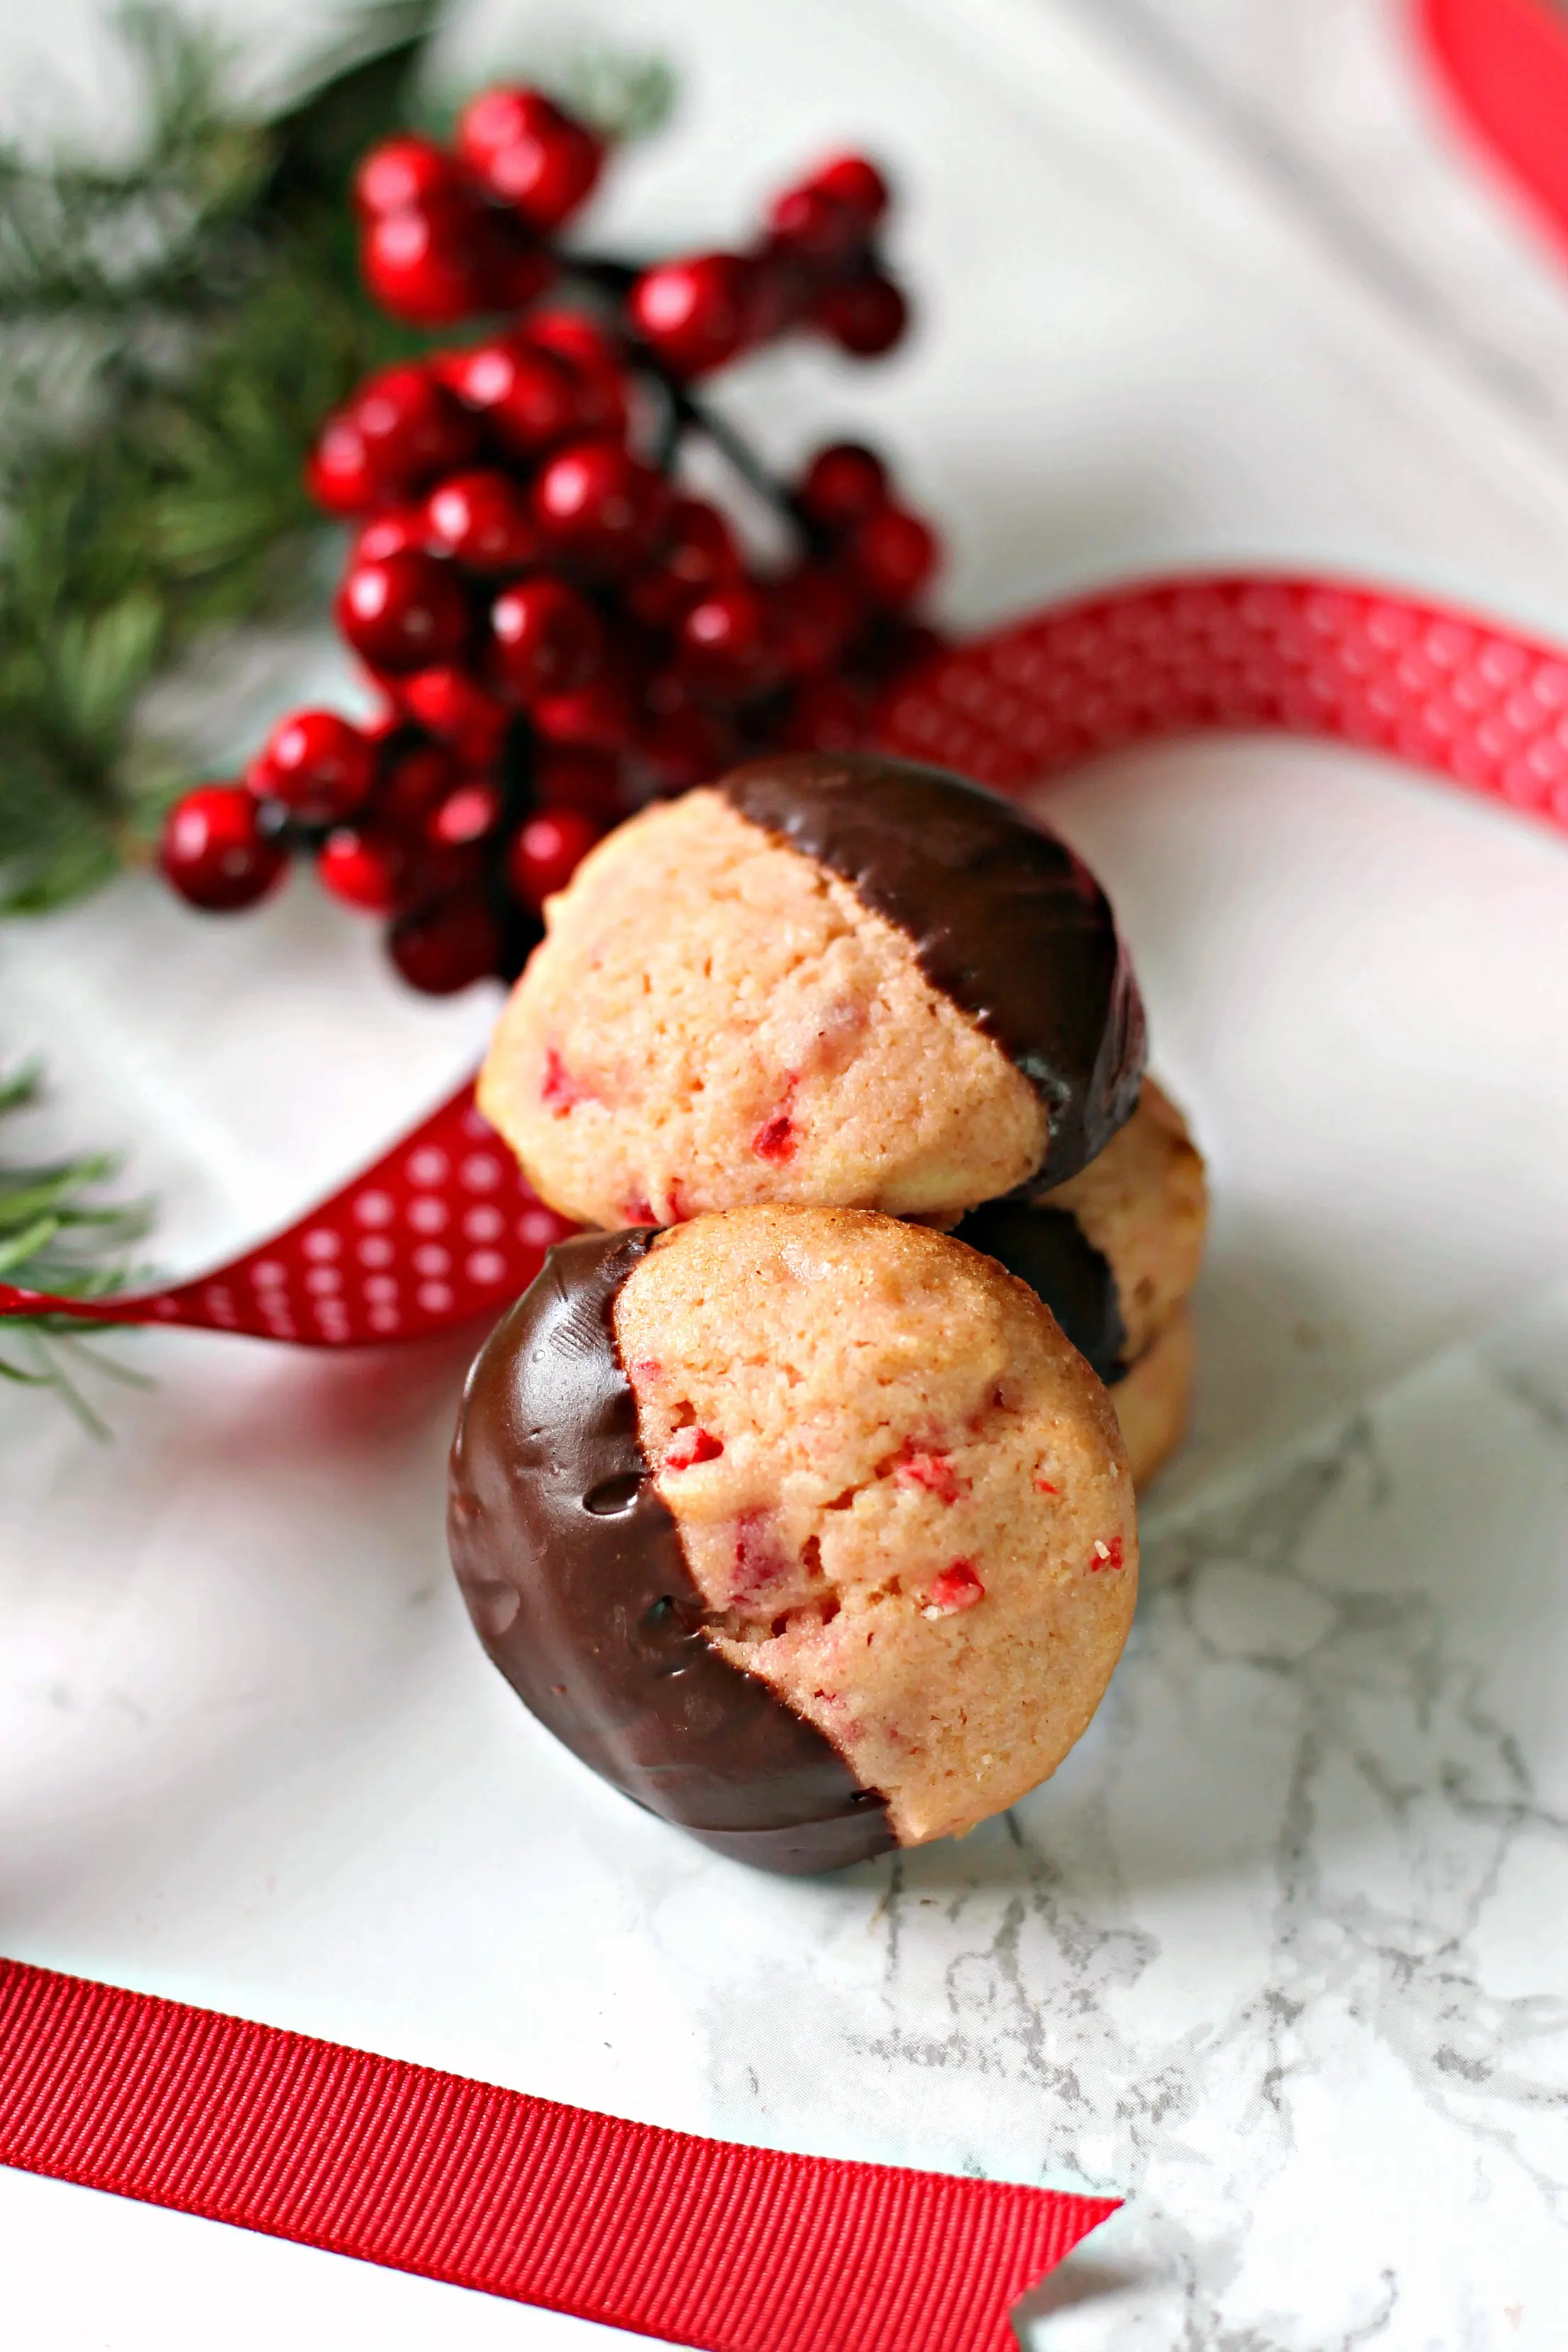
{"x":443,"y":1228}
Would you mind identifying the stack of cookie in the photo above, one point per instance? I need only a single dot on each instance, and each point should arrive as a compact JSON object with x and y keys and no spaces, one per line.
{"x":805,"y":1516}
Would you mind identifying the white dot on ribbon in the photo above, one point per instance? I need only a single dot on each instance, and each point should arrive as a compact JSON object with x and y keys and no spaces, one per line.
{"x":267,"y":1274}
{"x":320,"y":1244}
{"x":372,"y":1209}
{"x":539,"y":1227}
{"x":323,"y":1278}
{"x":480,"y":1173}
{"x":426,"y":1166}
{"x":431,"y":1258}
{"x":484,"y":1224}
{"x":384,"y":1319}
{"x":374,"y":1250}
{"x":434,"y":1297}
{"x":382,"y":1287}
{"x":427,"y":1215}
{"x":486,"y":1265}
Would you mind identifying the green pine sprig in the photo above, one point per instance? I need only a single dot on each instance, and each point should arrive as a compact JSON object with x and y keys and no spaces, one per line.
{"x":171,"y":333}
{"x":57,"y":1235}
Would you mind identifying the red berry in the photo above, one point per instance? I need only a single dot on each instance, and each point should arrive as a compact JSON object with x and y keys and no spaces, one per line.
{"x":481,"y":520}
{"x":596,"y":362}
{"x":402,"y":174}
{"x":466,"y":815}
{"x":598,"y":504}
{"x":684,"y":746}
{"x":589,"y":781}
{"x":826,"y":715}
{"x":546,"y":850}
{"x":390,"y":534}
{"x":819,"y":226}
{"x":417,"y":779}
{"x":893,"y":554}
{"x":364,"y":866}
{"x":411,"y":427}
{"x":447,"y":945}
{"x":455,"y":709}
{"x":529,"y":155}
{"x":866,"y":316}
{"x":572,"y":336}
{"x":214,"y":850}
{"x":854,"y":181}
{"x":530,"y":399}
{"x":593,"y":717}
{"x":725,"y":640}
{"x":404,"y":612}
{"x":844,"y":483}
{"x":694,"y":314}
{"x":547,"y":638}
{"x":814,"y":614}
{"x":699,"y":554}
{"x":497,"y":118}
{"x":316,"y":765}
{"x":429,"y":264}
{"x":339,"y":473}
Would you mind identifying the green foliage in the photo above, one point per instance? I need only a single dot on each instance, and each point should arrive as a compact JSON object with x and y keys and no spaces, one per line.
{"x":56,"y":1236}
{"x":171,"y":333}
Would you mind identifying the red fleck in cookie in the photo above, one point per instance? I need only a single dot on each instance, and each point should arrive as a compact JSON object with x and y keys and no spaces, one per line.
{"x":805,"y":1526}
{"x":846,"y":982}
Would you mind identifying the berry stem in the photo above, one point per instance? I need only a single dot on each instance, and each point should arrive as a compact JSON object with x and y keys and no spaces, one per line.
{"x":691,"y":414}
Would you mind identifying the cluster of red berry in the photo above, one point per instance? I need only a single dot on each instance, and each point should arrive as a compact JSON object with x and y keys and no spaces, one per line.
{"x":558,"y":631}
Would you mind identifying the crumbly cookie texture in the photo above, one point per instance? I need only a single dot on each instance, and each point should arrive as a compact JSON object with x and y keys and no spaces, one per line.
{"x":1144,"y":1204}
{"x":901,"y":1493}
{"x":1152,"y":1401}
{"x":714,"y":1020}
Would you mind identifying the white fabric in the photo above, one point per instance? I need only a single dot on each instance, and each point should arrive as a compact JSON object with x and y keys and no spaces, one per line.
{"x":1278,"y":1954}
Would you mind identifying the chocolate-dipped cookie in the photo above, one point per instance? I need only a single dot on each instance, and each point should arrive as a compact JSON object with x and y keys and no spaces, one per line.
{"x":805,"y":1528}
{"x":851,"y":982}
{"x":1114,"y":1253}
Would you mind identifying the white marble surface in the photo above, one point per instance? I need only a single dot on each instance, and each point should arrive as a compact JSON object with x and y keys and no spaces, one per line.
{"x":1278,"y":1955}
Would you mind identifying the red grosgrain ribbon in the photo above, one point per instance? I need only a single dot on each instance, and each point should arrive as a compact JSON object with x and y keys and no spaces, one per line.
{"x":1505,"y":62}
{"x":694,"y":2240}
{"x":444,"y":1228}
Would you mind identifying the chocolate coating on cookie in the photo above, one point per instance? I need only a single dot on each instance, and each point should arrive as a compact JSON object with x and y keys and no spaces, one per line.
{"x":574,"y":1576}
{"x":1003,"y":920}
{"x":1048,"y":1249}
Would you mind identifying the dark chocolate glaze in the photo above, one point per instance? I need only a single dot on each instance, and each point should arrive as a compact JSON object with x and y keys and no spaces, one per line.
{"x":1005,"y":921}
{"x":1048,"y":1249}
{"x":575,"y":1579}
